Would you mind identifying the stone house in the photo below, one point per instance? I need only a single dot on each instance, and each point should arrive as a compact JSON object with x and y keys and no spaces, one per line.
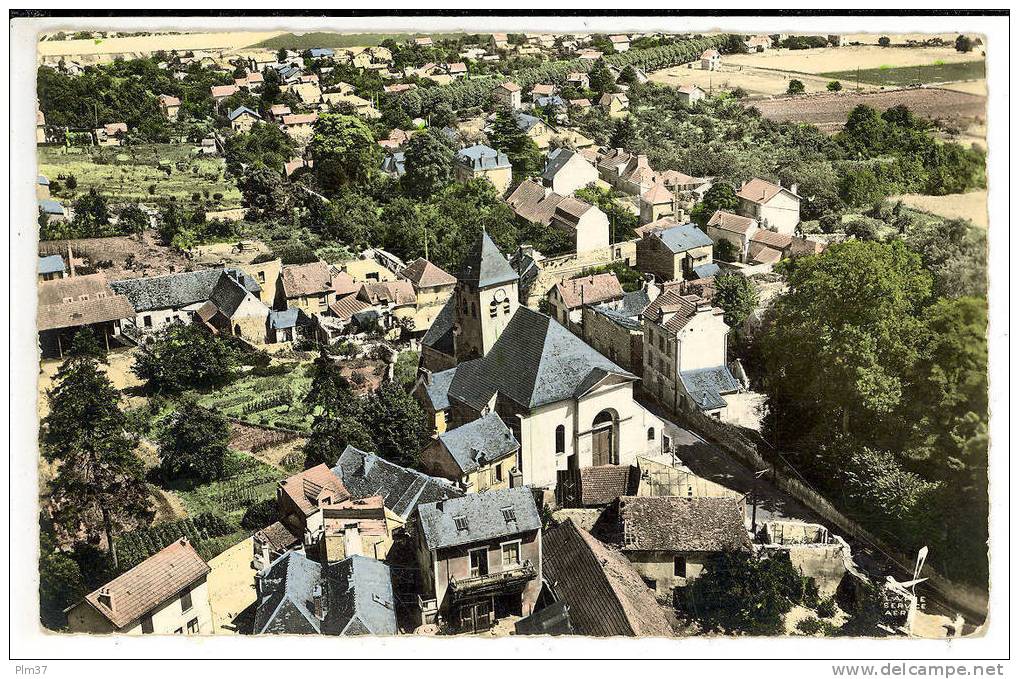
{"x":479,"y":455}
{"x":658,"y":202}
{"x":51,"y":268}
{"x":169,"y":106}
{"x":579,"y":80}
{"x":68,"y":304}
{"x":774,"y":207}
{"x":272,"y":542}
{"x":673,"y":253}
{"x":165,"y":594}
{"x":498,"y":41}
{"x":616,"y":104}
{"x":394,"y":303}
{"x":670,"y":540}
{"x":479,"y":558}
{"x":507,"y":95}
{"x":733,"y":228}
{"x":221,"y":92}
{"x":588,"y":225}
{"x":536,"y":128}
{"x":484,"y":161}
{"x":233,"y":310}
{"x":432,"y":392}
{"x":312,"y":287}
{"x":567,"y":171}
{"x":689,"y":95}
{"x":300,"y":127}
{"x":757,"y":44}
{"x":621,"y":43}
{"x":568,"y":298}
{"x":615,"y":329}
{"x":432,"y":288}
{"x":111,"y":134}
{"x":242,"y":119}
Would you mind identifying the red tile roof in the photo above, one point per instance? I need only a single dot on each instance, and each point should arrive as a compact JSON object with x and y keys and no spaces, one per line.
{"x":733,"y":223}
{"x":424,"y":274}
{"x":345,"y":307}
{"x":306,"y":488}
{"x":221,"y":91}
{"x":388,"y":292}
{"x":772,"y":239}
{"x":758,"y":190}
{"x":162,"y":576}
{"x":300,"y":280}
{"x":602,"y":485}
{"x":590,"y":290}
{"x":681,"y":307}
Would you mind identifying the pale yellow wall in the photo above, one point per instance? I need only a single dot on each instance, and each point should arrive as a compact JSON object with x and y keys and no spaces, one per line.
{"x":366,"y":270}
{"x":311,"y":304}
{"x":480,"y":331}
{"x":267,"y":274}
{"x":243,"y":123}
{"x":658,"y":566}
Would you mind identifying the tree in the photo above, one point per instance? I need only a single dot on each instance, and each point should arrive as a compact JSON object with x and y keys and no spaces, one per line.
{"x":193,"y":443}
{"x":442,"y":116}
{"x":351,"y":218}
{"x":834,"y":86}
{"x":344,"y":150}
{"x":263,"y":145}
{"x":796,"y":87}
{"x":628,"y":76}
{"x":185,"y":357}
{"x":963,"y":43}
{"x":396,"y":424}
{"x":132,"y":219}
{"x":403,"y":231}
{"x":721,"y":196}
{"x":742,"y":593}
{"x":265,"y":195}
{"x":91,"y":214}
{"x":524,"y":155}
{"x":736,"y":295}
{"x":429,"y":165}
{"x":60,"y":581}
{"x":281,"y":55}
{"x":99,"y":488}
{"x":884,"y":41}
{"x":338,"y":415}
{"x":624,"y":134}
{"x":601,"y":78}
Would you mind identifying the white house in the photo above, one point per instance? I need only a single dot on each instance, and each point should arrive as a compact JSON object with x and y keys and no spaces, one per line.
{"x":773,"y":206}
{"x":567,"y":171}
{"x":710,"y":60}
{"x":690,"y":94}
{"x":736,"y":229}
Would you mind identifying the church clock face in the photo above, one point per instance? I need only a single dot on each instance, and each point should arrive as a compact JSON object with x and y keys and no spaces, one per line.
{"x":500,"y":295}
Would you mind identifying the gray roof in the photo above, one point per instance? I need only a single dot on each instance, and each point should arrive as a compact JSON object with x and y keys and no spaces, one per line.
{"x":287,"y":318}
{"x":438,"y":389}
{"x":706,"y":270}
{"x":356,"y":597}
{"x":535,"y":361}
{"x":481,"y":157}
{"x":51,"y":207}
{"x":526,"y":122}
{"x":554,"y":100}
{"x":51,"y":264}
{"x":394,"y":163}
{"x":484,"y":514}
{"x":552,"y":620}
{"x":317,"y":52}
{"x":440,"y":335}
{"x":228,"y":293}
{"x":683,"y":237}
{"x":240,"y":110}
{"x":625,"y":312}
{"x":366,"y":474}
{"x":706,"y":385}
{"x":43,"y":180}
{"x":557,"y":159}
{"x":480,"y":442}
{"x":172,"y":291}
{"x":484,"y":265}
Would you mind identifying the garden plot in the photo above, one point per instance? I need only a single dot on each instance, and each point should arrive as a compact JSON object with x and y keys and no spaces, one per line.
{"x":272,"y":400}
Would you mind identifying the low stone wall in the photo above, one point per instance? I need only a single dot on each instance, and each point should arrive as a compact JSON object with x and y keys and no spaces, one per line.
{"x":556,"y":269}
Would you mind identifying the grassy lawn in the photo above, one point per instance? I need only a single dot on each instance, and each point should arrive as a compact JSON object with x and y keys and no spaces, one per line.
{"x":275,"y":400}
{"x":124,"y":174}
{"x":311,"y":40}
{"x":907,"y":75}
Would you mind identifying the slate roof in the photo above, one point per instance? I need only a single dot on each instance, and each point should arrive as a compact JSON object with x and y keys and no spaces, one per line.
{"x":484,"y":514}
{"x":438,"y":389}
{"x":228,"y":294}
{"x":707,"y":385}
{"x":733,"y":223}
{"x":556,"y":160}
{"x":604,"y":593}
{"x":592,"y":289}
{"x":535,"y":361}
{"x":43,"y":180}
{"x":481,"y":157}
{"x":672,"y":303}
{"x":683,"y":237}
{"x":479,"y":443}
{"x":51,"y":207}
{"x":159,"y":578}
{"x":306,"y":487}
{"x":366,"y":474}
{"x":627,"y":313}
{"x":424,"y":274}
{"x":604,"y":484}
{"x":682,"y":524}
{"x":526,"y":122}
{"x":286,"y":598}
{"x":484,"y":265}
{"x":320,"y":52}
{"x":439,"y":335}
{"x":706,"y":270}
{"x":394,"y":163}
{"x":278,"y":320}
{"x":51,"y":264}
{"x":554,"y":100}
{"x":172,"y":291}
{"x":552,"y":620}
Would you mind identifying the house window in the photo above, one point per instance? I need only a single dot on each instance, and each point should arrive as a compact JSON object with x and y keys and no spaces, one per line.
{"x":193,"y":626}
{"x":560,"y":440}
{"x":261,"y":277}
{"x":509,"y":514}
{"x":185,"y":601}
{"x":147,"y":320}
{"x":650,"y":433}
{"x":460,"y":522}
{"x":479,"y":561}
{"x":147,"y":625}
{"x":511,"y":554}
{"x":679,"y":566}
{"x":505,"y":306}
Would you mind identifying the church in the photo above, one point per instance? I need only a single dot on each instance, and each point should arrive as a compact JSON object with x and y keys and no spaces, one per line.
{"x":568,"y":406}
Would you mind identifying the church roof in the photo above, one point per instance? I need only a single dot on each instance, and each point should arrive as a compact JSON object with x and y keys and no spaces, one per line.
{"x":484,"y":265}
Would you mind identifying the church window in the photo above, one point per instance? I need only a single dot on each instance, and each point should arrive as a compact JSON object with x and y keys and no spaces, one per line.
{"x":560,"y":440}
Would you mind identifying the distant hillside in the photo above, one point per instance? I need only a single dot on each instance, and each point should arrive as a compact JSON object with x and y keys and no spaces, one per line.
{"x":304,"y":41}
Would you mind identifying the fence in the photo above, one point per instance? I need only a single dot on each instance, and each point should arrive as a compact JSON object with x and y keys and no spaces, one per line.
{"x":967,"y":598}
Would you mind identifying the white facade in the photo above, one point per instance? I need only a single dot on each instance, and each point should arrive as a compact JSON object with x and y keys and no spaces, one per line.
{"x":577,"y":173}
{"x":169,"y":617}
{"x":781,"y":213}
{"x":592,"y":230}
{"x":158,"y":319}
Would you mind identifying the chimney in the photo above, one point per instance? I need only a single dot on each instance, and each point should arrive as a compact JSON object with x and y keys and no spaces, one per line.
{"x":652,"y":288}
{"x":106,"y":597}
{"x":318,"y":603}
{"x":793,"y":188}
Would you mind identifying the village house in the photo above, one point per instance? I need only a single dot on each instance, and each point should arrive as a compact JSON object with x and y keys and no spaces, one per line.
{"x":658,"y":202}
{"x":299,"y":500}
{"x":306,"y":88}
{"x":567,"y":405}
{"x":286,"y":325}
{"x":627,"y":172}
{"x":165,"y":594}
{"x":567,"y":171}
{"x":673,"y":253}
{"x":484,"y":161}
{"x":711,"y":60}
{"x":272,"y":542}
{"x":689,"y":95}
{"x":51,"y":267}
{"x":432,"y":289}
{"x":252,"y":81}
{"x":606,"y":597}
{"x":54,"y":210}
{"x":536,"y":128}
{"x":242,"y":119}
{"x":398,"y":88}
{"x":221,"y":92}
{"x":299,"y":127}
{"x":360,"y":106}
{"x":371,"y":266}
{"x":621,"y":43}
{"x":685,"y":362}
{"x":160,"y":301}
{"x":542,"y":90}
{"x":111,"y":134}
{"x":616,"y":104}
{"x":568,"y":297}
{"x":579,"y":80}
{"x":587,"y":224}
{"x":169,"y":106}
{"x":424,"y":41}
{"x":774,"y":207}
{"x":42,"y":187}
{"x":394,"y":302}
{"x":432,"y":392}
{"x":579,"y":104}
{"x":757,"y":44}
{"x":68,"y":304}
{"x":312,"y":287}
{"x":232,"y":309}
{"x":479,"y":558}
{"x":615,"y":330}
{"x":396,"y":140}
{"x":394,"y":164}
{"x":734,"y":229}
{"x":298,"y":595}
{"x":670,"y":540}
{"x":768,"y":247}
{"x":499,"y":41}
{"x":479,"y":456}
{"x":277,"y":111}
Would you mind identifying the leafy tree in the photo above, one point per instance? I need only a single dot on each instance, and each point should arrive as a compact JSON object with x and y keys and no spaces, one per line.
{"x":524,"y":155}
{"x":132,"y":219}
{"x":338,"y":415}
{"x":185,"y":357}
{"x":344,"y":151}
{"x":795,"y":87}
{"x":429,"y":165}
{"x":742,"y":593}
{"x":60,"y":581}
{"x":736,"y":295}
{"x":265,"y":195}
{"x":403,"y":230}
{"x":91,"y":214}
{"x":884,"y":41}
{"x":628,"y":76}
{"x":623,"y":134}
{"x":443,"y":115}
{"x":834,"y":86}
{"x":601,"y":78}
{"x":193,"y":443}
{"x":99,"y":487}
{"x":264,"y":145}
{"x":721,"y":196}
{"x":963,"y":43}
{"x":955,"y":251}
{"x":351,"y":218}
{"x":396,"y":424}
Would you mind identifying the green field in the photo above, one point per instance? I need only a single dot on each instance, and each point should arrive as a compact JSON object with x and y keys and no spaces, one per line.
{"x":305,"y":41}
{"x":246,"y":481}
{"x":909,"y":75}
{"x":275,"y":400}
{"x":125,"y":173}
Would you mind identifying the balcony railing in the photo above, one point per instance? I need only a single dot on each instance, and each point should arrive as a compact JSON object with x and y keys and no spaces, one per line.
{"x":492,"y":582}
